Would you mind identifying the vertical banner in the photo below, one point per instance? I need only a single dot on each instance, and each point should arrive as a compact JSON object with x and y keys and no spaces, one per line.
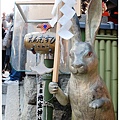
{"x":40,"y":93}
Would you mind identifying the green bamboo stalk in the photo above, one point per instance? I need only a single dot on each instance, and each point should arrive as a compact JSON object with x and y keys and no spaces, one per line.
{"x":107,"y":38}
{"x":102,"y":56}
{"x":99,"y":56}
{"x":97,"y":50}
{"x":83,"y":34}
{"x":114,"y":85}
{"x":96,"y":47}
{"x":48,"y":109}
{"x":115,"y":33}
{"x":108,"y":62}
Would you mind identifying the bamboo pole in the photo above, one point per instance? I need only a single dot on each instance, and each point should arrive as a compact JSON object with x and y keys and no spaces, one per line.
{"x":113,"y":36}
{"x":102,"y":56}
{"x":48,"y":107}
{"x":96,"y":47}
{"x":99,"y":56}
{"x":97,"y":50}
{"x":83,"y":34}
{"x":114,"y":81}
{"x":57,"y":50}
{"x":107,"y":38}
{"x":98,"y":53}
{"x":108,"y":62}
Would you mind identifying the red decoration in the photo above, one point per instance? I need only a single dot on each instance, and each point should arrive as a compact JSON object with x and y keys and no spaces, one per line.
{"x":44,"y":27}
{"x":104,"y":8}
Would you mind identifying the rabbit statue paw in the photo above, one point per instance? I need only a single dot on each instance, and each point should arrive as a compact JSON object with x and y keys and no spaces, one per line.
{"x":53,"y":88}
{"x":98,"y":103}
{"x":59,"y":94}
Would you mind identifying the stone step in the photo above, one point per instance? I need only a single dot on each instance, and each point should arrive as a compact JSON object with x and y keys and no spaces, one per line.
{"x":12,"y":103}
{"x":3,"y":109}
{"x":21,"y":97}
{"x":4,"y":88}
{"x":4,"y":93}
{"x":3,"y":99}
{"x":3,"y":117}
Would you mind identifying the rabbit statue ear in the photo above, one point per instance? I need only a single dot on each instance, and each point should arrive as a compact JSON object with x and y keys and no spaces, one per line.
{"x":93,"y":19}
{"x":76,"y":28}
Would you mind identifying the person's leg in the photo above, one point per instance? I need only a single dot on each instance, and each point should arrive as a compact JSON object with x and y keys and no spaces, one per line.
{"x":3,"y":59}
{"x":7,"y":62}
{"x":13,"y":78}
{"x":8,"y":54}
{"x":15,"y":75}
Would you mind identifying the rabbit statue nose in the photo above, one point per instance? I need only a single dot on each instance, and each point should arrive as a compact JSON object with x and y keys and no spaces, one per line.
{"x":78,"y":65}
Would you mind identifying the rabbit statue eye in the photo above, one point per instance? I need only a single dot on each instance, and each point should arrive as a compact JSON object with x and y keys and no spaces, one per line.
{"x":89,"y":54}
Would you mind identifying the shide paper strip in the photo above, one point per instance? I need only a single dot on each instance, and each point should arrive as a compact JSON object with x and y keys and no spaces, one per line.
{"x":68,"y":13}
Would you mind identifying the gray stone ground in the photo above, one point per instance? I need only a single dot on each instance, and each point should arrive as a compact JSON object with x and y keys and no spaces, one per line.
{"x":4,"y":92}
{"x":12,"y":103}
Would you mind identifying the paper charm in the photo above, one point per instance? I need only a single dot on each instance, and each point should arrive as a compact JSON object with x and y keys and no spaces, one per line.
{"x":41,"y":68}
{"x":68,"y":13}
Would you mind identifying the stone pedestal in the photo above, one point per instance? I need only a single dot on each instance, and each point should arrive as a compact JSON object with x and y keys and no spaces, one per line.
{"x":28,"y":106}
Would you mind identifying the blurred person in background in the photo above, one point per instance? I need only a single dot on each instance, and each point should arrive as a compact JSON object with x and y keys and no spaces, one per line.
{"x":14,"y":76}
{"x":4,"y":30}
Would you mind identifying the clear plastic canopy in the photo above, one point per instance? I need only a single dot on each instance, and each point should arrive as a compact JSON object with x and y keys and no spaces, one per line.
{"x":18,"y":52}
{"x":27,"y":16}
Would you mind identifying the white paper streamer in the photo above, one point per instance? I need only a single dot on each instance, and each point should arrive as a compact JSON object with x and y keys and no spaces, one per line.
{"x":54,"y":20}
{"x":63,"y":20}
{"x":68,"y":13}
{"x":64,"y":31}
{"x":41,"y":69}
{"x":54,"y":10}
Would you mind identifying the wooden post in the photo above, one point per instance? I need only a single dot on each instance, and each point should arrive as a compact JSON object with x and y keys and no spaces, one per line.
{"x":57,"y":50}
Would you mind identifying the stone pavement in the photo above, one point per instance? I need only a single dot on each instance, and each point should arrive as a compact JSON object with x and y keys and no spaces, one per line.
{"x":10,"y":102}
{"x":4,"y":92}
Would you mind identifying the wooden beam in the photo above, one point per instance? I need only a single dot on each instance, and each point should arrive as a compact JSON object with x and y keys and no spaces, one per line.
{"x":57,"y":50}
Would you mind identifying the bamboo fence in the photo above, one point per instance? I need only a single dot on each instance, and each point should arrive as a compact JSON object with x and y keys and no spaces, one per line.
{"x":106,"y":47}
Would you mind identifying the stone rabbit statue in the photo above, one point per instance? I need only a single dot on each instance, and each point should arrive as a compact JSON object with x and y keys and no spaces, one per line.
{"x":86,"y":91}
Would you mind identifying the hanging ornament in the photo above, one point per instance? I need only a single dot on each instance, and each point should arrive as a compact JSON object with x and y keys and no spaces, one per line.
{"x":44,"y":27}
{"x":41,"y":68}
{"x":65,"y":20}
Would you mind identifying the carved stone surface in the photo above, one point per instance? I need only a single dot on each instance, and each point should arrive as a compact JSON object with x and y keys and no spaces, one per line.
{"x":28,"y":109}
{"x":61,"y":112}
{"x":30,"y":89}
{"x":29,"y":112}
